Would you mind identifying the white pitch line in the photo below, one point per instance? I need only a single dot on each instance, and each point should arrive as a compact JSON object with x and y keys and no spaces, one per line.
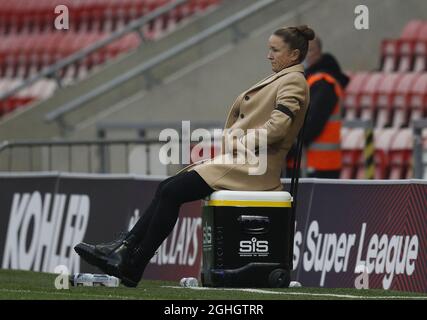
{"x":64,"y":293}
{"x":260,"y":291}
{"x":302,"y":293}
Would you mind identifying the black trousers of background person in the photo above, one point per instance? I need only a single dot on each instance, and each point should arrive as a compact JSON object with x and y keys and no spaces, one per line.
{"x":161,"y":215}
{"x":324,"y":174}
{"x":321,"y":174}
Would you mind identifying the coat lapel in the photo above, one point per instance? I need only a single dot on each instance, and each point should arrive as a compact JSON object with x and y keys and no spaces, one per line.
{"x":275,"y":76}
{"x":262,"y":83}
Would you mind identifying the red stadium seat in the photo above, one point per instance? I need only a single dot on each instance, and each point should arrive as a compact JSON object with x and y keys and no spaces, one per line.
{"x":125,"y":44}
{"x":398,"y":54}
{"x":12,"y":102}
{"x":4,"y":14}
{"x":82,"y":16}
{"x":352,"y":95}
{"x":389,"y":55}
{"x":420,"y":50}
{"x":11,"y":51}
{"x":4,"y":47}
{"x":420,"y":59}
{"x":15,"y":17}
{"x":28,"y":57}
{"x":369,"y":95}
{"x":96,"y":57}
{"x":97,"y":13}
{"x":385,"y":99}
{"x":382,"y":140}
{"x":35,"y":51}
{"x":401,"y":154}
{"x":50,"y":48}
{"x":406,"y":55}
{"x":408,"y":39}
{"x":33,"y":16}
{"x":352,"y":148}
{"x":418,"y":100}
{"x":398,"y":114}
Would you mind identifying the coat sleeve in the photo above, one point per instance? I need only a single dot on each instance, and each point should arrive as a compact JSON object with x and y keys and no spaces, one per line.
{"x":290,"y":97}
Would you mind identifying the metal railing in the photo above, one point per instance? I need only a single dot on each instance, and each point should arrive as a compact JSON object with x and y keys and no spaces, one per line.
{"x":141,"y":128}
{"x":418,"y":126}
{"x":144,"y":69}
{"x":71,"y":156}
{"x":54,"y":70}
{"x":102,"y":145}
{"x":144,"y":138}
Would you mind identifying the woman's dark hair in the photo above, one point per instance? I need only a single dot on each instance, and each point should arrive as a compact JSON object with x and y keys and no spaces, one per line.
{"x":296,"y":38}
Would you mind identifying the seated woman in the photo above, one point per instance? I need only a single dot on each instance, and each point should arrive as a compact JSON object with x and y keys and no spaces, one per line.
{"x":276,"y":105}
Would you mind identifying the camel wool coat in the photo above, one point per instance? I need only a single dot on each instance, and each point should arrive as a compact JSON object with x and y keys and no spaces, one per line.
{"x":278,"y":104}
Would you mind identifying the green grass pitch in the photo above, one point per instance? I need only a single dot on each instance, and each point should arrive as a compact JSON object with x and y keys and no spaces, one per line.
{"x":17,"y":285}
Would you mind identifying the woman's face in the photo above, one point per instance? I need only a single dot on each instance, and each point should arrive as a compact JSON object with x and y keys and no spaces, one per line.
{"x":280,"y":55}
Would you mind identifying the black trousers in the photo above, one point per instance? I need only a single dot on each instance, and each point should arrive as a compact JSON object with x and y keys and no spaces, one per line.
{"x":161,"y":215}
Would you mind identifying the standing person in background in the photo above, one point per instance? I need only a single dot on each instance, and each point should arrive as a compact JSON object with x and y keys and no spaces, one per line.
{"x":322,"y":136}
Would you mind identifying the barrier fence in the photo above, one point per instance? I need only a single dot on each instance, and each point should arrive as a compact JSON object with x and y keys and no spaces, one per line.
{"x":344,"y":229}
{"x":141,"y":154}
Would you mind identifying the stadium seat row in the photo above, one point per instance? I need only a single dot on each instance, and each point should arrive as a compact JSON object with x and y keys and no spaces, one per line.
{"x":24,"y":55}
{"x":23,"y":16}
{"x":392,"y":155}
{"x":28,"y":46}
{"x":389,"y":99}
{"x":408,"y":52}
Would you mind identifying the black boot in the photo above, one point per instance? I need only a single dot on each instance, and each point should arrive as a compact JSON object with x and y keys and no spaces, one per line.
{"x":132,"y":270}
{"x":114,"y":258}
{"x":97,"y":254}
{"x":127,"y":263}
{"x":107,"y":248}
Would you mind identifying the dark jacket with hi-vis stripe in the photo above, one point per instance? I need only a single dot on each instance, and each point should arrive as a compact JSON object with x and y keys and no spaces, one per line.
{"x":324,"y":153}
{"x":323,"y":128}
{"x":278,"y":104}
